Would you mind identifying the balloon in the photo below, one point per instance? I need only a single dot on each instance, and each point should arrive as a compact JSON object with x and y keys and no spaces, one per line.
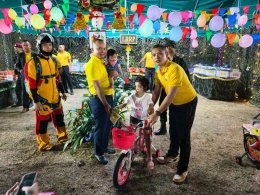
{"x":194,"y":43}
{"x":218,"y":40}
{"x":37,"y":21}
{"x":175,"y":34}
{"x":156,"y":25}
{"x":174,"y":18}
{"x":56,"y":14}
{"x":216,"y":23}
{"x":12,"y":14}
{"x":19,"y":22}
{"x":153,"y":12}
{"x":4,"y":28}
{"x":134,"y":7}
{"x":258,"y":21}
{"x":193,"y":34}
{"x":258,"y":27}
{"x":147,"y":28}
{"x":245,"y":41}
{"x":201,"y":21}
{"x":242,"y":20}
{"x":47,"y":4}
{"x":34,"y":9}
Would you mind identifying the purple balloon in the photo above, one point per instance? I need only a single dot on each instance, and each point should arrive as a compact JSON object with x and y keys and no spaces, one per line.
{"x":218,"y":40}
{"x":216,"y":23}
{"x":153,"y":12}
{"x":174,"y":18}
{"x":245,"y":41}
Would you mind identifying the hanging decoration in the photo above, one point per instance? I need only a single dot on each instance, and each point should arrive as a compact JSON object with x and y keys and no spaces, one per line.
{"x":185,"y":32}
{"x":4,"y":28}
{"x":201,"y":21}
{"x":37,"y":21}
{"x":193,"y":34}
{"x":146,"y":29}
{"x":216,"y":23}
{"x":79,"y":23}
{"x":118,"y":22}
{"x":194,"y":43}
{"x":174,"y":18}
{"x":133,"y":7}
{"x":245,"y":41}
{"x":140,"y":9}
{"x":56,"y":14}
{"x":12,"y":14}
{"x":231,"y":38}
{"x":97,"y":18}
{"x":153,"y":12}
{"x":19,"y":22}
{"x":47,"y":4}
{"x":218,"y":40}
{"x":175,"y":34}
{"x":34,"y":9}
{"x":186,"y":16}
{"x":128,"y":49}
{"x":242,"y":20}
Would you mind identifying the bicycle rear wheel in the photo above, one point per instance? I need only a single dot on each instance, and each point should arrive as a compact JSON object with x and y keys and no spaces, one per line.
{"x":252,"y":153}
{"x":122,"y":170}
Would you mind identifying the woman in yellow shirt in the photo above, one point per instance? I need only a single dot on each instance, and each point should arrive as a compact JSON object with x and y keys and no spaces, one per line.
{"x":183,"y":100}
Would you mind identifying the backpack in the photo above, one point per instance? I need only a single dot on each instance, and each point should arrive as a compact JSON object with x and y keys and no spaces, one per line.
{"x":38,"y":68}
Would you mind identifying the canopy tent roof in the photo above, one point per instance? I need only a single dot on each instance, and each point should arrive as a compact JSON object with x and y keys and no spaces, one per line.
{"x":169,"y":5}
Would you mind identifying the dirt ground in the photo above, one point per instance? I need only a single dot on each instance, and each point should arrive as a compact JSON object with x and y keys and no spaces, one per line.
{"x":216,"y":139}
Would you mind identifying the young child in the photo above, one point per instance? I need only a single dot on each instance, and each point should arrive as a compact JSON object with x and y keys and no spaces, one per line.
{"x":141,"y":105}
{"x":113,"y":66}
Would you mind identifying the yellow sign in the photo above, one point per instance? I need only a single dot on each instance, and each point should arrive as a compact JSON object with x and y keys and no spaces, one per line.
{"x":128,"y":39}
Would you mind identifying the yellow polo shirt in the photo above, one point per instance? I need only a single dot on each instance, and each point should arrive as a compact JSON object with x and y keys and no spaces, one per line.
{"x":63,"y":58}
{"x":173,"y":75}
{"x":149,"y":63}
{"x":28,"y":57}
{"x":96,"y":70}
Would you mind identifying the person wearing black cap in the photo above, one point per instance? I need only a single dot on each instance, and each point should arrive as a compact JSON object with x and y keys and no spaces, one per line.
{"x":171,"y":54}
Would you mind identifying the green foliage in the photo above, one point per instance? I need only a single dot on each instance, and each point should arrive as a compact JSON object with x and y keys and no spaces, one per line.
{"x":82,"y":122}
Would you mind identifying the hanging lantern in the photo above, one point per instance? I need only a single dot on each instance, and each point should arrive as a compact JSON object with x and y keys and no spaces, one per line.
{"x":118,"y":22}
{"x":79,"y":22}
{"x":128,"y":48}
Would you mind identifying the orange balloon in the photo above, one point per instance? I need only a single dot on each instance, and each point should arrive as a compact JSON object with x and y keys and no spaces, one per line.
{"x":134,"y":7}
{"x":201,"y":21}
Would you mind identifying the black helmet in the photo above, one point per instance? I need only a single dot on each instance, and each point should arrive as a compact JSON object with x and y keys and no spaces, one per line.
{"x":44,"y":38}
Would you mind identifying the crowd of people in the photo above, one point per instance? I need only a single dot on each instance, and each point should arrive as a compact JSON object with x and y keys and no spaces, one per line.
{"x":47,"y":80}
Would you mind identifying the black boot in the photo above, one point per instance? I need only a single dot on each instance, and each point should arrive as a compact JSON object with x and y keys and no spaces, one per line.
{"x":162,"y":130}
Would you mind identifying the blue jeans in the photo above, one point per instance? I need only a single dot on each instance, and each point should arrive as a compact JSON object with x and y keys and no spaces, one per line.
{"x":102,"y":123}
{"x":149,"y":74}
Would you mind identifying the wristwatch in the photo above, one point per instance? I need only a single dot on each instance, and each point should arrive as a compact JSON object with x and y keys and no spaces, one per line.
{"x":158,"y":113}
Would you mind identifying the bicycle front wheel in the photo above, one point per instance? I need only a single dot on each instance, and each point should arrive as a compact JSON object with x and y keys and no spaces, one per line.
{"x":122,"y":170}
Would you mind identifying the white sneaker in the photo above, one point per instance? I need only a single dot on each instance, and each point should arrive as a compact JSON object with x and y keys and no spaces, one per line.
{"x":180,"y":179}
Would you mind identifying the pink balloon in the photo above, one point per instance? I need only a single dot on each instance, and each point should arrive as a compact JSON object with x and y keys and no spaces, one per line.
{"x":216,"y":23}
{"x":242,"y":20}
{"x":194,"y":43}
{"x":47,"y":4}
{"x":258,"y":27}
{"x":4,"y":28}
{"x":246,"y":41}
{"x":34,"y":9}
{"x":258,"y":20}
{"x":174,"y":18}
{"x":201,"y":21}
{"x":193,"y":34}
{"x":218,"y":40}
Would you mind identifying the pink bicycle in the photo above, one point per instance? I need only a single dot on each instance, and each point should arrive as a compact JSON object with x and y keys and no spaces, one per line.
{"x":130,"y":139}
{"x":251,"y":134}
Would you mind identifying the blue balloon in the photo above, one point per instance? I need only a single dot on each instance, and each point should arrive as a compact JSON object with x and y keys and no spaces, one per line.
{"x":175,"y":34}
{"x":156,"y":25}
{"x":256,"y":38}
{"x":146,"y":29}
{"x":136,"y":20}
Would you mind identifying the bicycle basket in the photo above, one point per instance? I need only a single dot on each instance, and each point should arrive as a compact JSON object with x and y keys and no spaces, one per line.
{"x":123,"y":140}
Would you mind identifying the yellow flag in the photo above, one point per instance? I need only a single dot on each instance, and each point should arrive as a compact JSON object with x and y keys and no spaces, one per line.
{"x":86,"y":17}
{"x":122,"y":10}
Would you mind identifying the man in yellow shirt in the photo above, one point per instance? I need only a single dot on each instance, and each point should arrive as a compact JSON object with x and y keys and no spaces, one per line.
{"x":22,"y":59}
{"x":64,"y":59}
{"x":149,"y":68}
{"x":101,"y":101}
{"x":181,"y":98}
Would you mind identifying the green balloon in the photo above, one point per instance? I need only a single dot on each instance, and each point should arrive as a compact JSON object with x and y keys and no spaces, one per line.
{"x":18,"y":21}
